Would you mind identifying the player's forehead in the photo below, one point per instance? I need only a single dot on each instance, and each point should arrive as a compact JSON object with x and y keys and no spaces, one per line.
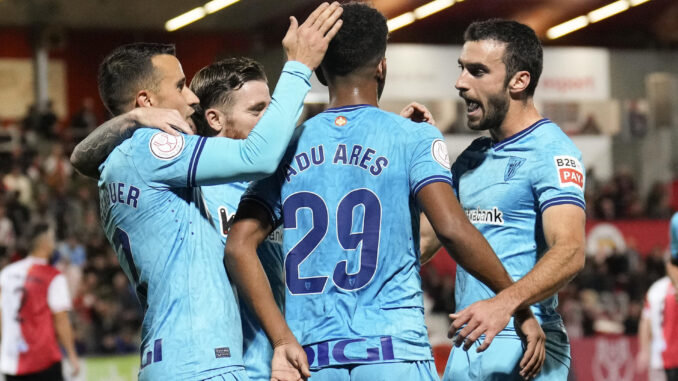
{"x":252,"y":93}
{"x":167,"y":67}
{"x":487,"y":52}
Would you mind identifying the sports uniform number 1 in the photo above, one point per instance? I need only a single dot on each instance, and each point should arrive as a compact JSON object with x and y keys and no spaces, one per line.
{"x":369,"y":237}
{"x":121,"y":241}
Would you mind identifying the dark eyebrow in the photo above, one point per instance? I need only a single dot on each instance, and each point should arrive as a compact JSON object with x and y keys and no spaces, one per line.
{"x":258,"y":106}
{"x":474,"y":66}
{"x":181,"y":82}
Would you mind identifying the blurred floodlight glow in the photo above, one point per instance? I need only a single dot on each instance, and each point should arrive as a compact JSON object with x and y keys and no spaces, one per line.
{"x":592,"y":17}
{"x":196,"y":14}
{"x":182,"y":20}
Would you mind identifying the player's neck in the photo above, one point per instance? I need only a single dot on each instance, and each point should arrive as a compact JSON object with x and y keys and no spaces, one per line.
{"x":40,"y":254}
{"x":353,"y":93}
{"x":520,"y":116}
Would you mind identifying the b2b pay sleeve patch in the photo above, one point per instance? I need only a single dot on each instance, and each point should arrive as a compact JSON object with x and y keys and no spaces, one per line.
{"x":570,"y":171}
{"x":165,"y":146}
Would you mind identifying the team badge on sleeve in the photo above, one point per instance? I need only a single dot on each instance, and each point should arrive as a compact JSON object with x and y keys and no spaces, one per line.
{"x":570,"y":171}
{"x":165,"y":146}
{"x":439,"y":153}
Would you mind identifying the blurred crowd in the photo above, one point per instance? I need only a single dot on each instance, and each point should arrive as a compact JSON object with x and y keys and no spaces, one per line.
{"x":39,"y":184}
{"x":619,"y":198}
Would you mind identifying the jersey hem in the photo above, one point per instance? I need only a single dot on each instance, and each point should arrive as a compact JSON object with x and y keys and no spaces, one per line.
{"x":430,"y":180}
{"x":562,"y":200}
{"x":263,"y":204}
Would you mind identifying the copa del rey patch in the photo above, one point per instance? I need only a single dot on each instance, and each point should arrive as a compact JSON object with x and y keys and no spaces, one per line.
{"x":165,"y":146}
{"x":570,"y":171}
{"x":439,"y":153}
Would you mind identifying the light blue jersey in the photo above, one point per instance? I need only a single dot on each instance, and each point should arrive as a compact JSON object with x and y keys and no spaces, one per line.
{"x":154,"y":214}
{"x":505,"y":188}
{"x":673,"y":238}
{"x":346,"y":196}
{"x":222,"y":202}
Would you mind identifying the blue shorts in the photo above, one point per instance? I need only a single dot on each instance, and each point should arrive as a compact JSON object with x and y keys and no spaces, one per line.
{"x":501,"y":361}
{"x":386,"y":371}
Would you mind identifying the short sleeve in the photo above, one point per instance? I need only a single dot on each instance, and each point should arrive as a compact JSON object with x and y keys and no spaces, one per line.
{"x":58,"y":297}
{"x":559,"y":178}
{"x":266,"y":193}
{"x":430,"y":161}
{"x":166,"y":159}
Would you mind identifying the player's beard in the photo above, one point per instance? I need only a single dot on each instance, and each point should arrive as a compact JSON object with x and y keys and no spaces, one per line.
{"x":493,"y":113}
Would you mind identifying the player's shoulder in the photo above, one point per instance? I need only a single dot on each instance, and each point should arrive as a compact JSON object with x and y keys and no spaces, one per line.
{"x":658,"y":289}
{"x":549,"y":137}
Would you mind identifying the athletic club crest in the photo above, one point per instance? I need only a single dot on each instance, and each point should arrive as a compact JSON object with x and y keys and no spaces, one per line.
{"x":513,"y":165}
{"x":340,"y":121}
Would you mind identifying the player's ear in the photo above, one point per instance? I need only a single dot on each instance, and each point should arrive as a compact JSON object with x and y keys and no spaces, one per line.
{"x":519,"y":82}
{"x":215,"y":119}
{"x":143,"y":99}
{"x":321,"y":75}
{"x":381,"y":69}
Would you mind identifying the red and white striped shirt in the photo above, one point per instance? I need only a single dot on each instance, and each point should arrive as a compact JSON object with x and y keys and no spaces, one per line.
{"x":31,"y":292}
{"x":661,"y":308}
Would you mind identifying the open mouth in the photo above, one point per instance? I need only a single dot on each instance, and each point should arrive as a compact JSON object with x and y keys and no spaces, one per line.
{"x":471,"y":106}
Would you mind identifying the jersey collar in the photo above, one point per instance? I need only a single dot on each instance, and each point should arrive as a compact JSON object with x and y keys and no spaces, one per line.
{"x":514,"y":138}
{"x":347,"y":108}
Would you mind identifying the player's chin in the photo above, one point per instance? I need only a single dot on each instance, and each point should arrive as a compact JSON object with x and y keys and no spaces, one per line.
{"x":474,"y":124}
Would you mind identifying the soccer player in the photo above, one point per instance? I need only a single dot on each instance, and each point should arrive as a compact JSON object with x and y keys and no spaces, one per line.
{"x":233,"y":96}
{"x":523,"y":188}
{"x":35,"y":305}
{"x":153,"y":211}
{"x":658,"y":332}
{"x":348,"y":194}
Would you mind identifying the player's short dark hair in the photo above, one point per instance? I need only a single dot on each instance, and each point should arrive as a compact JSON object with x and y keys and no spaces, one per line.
{"x":36,"y":231}
{"x":361,"y":41}
{"x":523,"y":49}
{"x":126,"y":70}
{"x":214,"y":86}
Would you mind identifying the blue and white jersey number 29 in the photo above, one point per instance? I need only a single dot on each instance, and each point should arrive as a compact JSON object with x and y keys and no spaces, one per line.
{"x":348,"y":240}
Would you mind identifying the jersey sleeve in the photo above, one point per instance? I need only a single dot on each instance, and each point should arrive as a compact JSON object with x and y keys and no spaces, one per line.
{"x":430,"y":161}
{"x":164,"y":159}
{"x":227,"y":160}
{"x":188,"y":161}
{"x":559,"y":178}
{"x":58,"y":297}
{"x":673,"y":238}
{"x":266,"y":193}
